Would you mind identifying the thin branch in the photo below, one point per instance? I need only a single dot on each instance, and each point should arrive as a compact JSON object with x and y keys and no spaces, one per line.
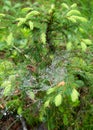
{"x":12,"y":124}
{"x":23,"y":123}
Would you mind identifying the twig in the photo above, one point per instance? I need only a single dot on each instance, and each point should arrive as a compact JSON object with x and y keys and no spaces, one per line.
{"x":12,"y":124}
{"x":23,"y":123}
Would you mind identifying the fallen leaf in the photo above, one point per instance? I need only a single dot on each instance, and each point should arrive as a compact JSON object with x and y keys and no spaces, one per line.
{"x":17,"y":91}
{"x":1,"y":106}
{"x":31,"y":68}
{"x":61,"y":84}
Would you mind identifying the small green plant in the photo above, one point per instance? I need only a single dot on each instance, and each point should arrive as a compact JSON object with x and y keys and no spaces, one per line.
{"x":38,"y":42}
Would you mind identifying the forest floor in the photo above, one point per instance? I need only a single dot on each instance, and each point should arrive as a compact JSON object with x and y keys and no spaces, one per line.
{"x":11,"y":121}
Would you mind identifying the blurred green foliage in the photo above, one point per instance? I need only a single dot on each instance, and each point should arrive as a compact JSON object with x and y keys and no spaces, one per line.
{"x":46,"y":62}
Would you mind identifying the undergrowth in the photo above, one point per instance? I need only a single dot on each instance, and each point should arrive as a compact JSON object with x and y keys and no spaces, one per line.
{"x":46,"y":67}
